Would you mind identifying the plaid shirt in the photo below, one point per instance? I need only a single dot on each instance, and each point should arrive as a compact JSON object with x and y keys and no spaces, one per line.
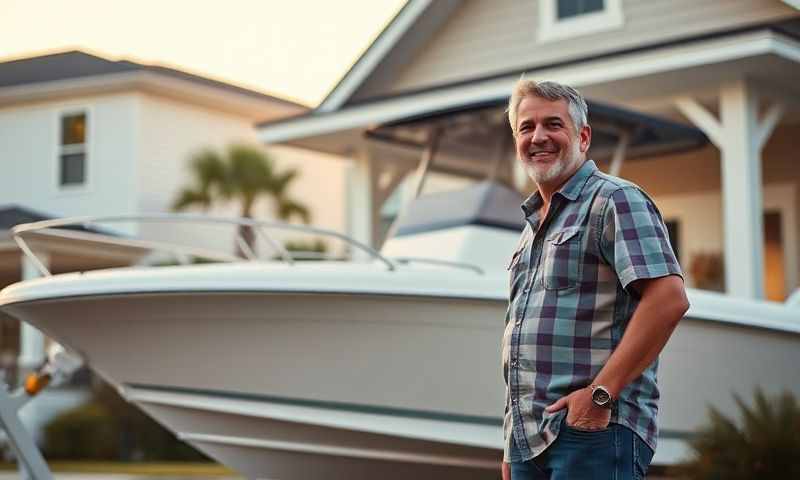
{"x":569,"y":305}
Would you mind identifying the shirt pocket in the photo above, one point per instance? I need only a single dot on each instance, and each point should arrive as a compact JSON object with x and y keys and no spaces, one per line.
{"x":562,"y":261}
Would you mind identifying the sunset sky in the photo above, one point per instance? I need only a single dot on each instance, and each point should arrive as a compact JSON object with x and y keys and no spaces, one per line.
{"x":290,"y":48}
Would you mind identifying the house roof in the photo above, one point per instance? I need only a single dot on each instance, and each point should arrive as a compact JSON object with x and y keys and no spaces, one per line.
{"x":424,"y":16}
{"x":78,"y":64}
{"x":600,"y":78}
{"x":419,"y":20}
{"x":13,"y":215}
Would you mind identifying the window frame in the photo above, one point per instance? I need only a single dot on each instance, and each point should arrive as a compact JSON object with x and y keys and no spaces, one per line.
{"x":552,"y":29}
{"x":61,"y":149}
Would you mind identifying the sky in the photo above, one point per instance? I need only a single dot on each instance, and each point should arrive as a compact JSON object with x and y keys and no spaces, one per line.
{"x":295,"y":49}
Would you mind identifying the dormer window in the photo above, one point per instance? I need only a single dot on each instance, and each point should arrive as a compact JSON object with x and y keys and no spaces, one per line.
{"x":559,"y":19}
{"x":72,"y":150}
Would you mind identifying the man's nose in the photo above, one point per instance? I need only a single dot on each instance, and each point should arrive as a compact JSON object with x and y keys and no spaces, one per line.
{"x":539,"y":135}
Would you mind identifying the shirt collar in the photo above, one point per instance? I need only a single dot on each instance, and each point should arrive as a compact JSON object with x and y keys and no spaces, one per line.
{"x":570,"y":190}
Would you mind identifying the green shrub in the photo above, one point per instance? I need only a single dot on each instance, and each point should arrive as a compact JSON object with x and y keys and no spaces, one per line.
{"x":766,"y":445}
{"x":109,"y":428}
{"x":87,"y":431}
{"x":307,"y":249}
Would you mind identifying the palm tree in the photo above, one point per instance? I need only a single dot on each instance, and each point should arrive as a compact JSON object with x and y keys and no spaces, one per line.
{"x":244,"y":173}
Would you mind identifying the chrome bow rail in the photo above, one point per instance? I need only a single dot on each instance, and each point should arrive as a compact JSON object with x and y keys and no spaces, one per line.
{"x":54,"y":228}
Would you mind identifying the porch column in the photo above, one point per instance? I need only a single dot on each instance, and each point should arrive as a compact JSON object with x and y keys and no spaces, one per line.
{"x":362,"y":203}
{"x":32,"y":341}
{"x":740,"y":137}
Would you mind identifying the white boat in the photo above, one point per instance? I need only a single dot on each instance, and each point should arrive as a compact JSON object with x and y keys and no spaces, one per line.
{"x":382,"y":368}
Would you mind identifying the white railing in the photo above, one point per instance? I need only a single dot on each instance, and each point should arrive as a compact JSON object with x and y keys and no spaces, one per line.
{"x":54,"y":228}
{"x":443,"y":263}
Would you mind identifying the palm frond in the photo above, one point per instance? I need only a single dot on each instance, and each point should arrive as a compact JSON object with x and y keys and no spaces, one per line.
{"x":288,"y":208}
{"x":250,"y":168}
{"x":190,"y":198}
{"x":281,"y":181}
{"x":209,"y":169}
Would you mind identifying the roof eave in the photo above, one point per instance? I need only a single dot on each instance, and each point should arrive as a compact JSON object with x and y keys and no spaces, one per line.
{"x":375,"y":53}
{"x":253,"y":108}
{"x":580,"y":74}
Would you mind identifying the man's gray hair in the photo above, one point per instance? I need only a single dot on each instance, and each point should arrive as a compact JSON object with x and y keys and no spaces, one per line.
{"x":553,"y":91}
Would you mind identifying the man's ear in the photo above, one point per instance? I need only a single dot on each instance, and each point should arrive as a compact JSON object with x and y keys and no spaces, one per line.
{"x":585,"y":136}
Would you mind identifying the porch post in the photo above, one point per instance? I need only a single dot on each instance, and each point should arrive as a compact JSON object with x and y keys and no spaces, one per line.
{"x":742,"y":200}
{"x":740,"y":138}
{"x":362,"y":217}
{"x":31,"y":342}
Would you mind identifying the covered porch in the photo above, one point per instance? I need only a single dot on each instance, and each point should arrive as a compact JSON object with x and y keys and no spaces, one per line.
{"x":705,"y":128}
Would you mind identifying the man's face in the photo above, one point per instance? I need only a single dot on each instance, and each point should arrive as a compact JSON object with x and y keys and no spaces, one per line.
{"x":547,"y":144}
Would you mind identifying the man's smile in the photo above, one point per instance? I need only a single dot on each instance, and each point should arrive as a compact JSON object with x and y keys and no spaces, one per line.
{"x":540,"y":155}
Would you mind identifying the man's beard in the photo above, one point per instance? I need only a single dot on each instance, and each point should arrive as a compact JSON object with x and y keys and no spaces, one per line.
{"x":555,"y":170}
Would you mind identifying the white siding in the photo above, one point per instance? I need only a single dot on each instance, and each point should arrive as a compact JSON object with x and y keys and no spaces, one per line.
{"x":138,"y":150}
{"x":169,"y":132}
{"x":488,"y":37}
{"x":29,"y":138}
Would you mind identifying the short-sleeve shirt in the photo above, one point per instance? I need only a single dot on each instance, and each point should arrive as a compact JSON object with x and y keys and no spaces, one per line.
{"x":570,"y":303}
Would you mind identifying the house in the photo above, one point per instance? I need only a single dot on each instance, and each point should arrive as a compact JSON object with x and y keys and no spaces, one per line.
{"x":432,"y":88}
{"x":81,"y":135}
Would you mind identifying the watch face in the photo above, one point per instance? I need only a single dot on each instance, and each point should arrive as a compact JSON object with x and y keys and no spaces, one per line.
{"x":600,"y":396}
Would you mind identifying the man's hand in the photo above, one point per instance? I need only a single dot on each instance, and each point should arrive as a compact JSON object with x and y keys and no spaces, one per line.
{"x":505,"y":470}
{"x":582,"y":413}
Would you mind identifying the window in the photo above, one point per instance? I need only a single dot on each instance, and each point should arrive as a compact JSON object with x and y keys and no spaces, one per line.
{"x":573,"y":8}
{"x":72,"y":150}
{"x":559,"y":19}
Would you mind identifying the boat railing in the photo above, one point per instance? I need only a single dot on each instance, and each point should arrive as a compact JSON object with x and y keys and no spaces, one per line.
{"x":444,"y":263}
{"x":92,"y":233}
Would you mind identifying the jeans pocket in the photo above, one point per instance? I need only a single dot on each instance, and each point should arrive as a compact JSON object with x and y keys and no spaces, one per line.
{"x":642,"y":456}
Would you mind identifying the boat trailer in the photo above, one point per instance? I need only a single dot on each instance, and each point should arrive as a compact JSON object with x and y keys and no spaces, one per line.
{"x":60,"y":365}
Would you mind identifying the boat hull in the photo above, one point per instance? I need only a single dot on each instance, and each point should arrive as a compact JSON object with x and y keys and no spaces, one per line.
{"x":335,"y":385}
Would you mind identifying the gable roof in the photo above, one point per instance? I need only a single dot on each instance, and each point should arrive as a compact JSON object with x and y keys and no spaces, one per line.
{"x":78,"y":64}
{"x":375,"y":75}
{"x":13,"y":215}
{"x":425,"y":16}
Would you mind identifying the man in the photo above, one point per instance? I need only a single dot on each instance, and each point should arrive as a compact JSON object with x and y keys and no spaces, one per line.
{"x":596,"y":292}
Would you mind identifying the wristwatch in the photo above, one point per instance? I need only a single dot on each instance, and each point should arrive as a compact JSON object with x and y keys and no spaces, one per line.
{"x":601,"y":396}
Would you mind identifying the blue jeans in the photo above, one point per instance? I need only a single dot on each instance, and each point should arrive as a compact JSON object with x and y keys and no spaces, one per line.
{"x":615,"y":453}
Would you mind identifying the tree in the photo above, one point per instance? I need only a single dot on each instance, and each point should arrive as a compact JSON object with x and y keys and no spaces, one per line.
{"x":243,"y":173}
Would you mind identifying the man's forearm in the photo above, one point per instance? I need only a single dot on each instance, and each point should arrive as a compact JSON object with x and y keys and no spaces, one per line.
{"x":662,"y":305}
